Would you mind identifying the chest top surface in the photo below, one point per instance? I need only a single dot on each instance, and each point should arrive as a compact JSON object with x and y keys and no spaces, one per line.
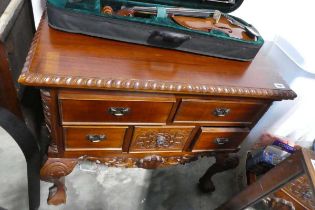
{"x":59,"y":59}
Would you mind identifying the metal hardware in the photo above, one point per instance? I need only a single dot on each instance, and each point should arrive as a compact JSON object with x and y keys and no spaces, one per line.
{"x":160,"y":140}
{"x":118,"y":111}
{"x":221,"y":112}
{"x":221,"y":141}
{"x":96,"y":137}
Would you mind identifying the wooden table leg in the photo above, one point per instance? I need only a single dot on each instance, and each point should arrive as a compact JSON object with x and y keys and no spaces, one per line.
{"x":223,"y":163}
{"x":54,"y":170}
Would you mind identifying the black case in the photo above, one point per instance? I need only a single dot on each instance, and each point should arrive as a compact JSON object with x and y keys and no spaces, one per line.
{"x":85,"y":17}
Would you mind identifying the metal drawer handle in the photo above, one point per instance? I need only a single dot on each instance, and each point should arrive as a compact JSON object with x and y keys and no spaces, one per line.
{"x":118,"y":111}
{"x":160,"y":140}
{"x":221,"y":141}
{"x":96,"y":137}
{"x":221,"y":112}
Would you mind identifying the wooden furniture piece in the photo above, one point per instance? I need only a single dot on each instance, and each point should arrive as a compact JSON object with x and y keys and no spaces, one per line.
{"x":128,"y":105}
{"x":16,"y":18}
{"x":294,"y":178}
{"x":297,"y":192}
{"x":28,"y":144}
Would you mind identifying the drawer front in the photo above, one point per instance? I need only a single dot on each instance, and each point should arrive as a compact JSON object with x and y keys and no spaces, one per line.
{"x":219,"y":112}
{"x":168,"y":138}
{"x":94,"y":138}
{"x":107,"y":112}
{"x":220,"y":138}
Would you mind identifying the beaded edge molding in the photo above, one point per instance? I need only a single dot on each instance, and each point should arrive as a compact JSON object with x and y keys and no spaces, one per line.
{"x":35,"y":79}
{"x":149,"y":85}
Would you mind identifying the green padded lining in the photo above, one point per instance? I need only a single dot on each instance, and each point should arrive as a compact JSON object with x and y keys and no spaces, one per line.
{"x":93,"y":7}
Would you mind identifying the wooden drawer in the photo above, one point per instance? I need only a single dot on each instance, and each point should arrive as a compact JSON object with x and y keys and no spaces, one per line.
{"x":114,"y":109}
{"x":219,"y":138}
{"x":168,"y":138}
{"x":94,"y":138}
{"x":219,"y":112}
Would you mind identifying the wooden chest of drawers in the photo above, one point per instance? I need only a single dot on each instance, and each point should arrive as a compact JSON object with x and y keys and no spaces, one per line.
{"x":112,"y":121}
{"x":134,"y":106}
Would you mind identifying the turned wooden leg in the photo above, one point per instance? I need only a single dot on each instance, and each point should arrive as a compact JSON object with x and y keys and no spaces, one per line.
{"x":54,"y":170}
{"x":223,"y":163}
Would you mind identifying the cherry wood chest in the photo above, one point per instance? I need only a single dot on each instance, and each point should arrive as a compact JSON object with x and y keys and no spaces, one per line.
{"x":127,"y":105}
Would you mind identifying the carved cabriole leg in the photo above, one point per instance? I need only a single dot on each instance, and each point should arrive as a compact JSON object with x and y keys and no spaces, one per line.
{"x":223,"y":163}
{"x":54,"y":170}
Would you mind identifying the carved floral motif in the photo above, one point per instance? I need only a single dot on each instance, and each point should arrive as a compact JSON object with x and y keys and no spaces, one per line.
{"x":156,"y":140}
{"x":47,"y":104}
{"x":150,"y":161}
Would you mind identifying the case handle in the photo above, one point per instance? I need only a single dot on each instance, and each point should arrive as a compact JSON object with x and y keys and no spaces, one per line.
{"x":167,"y":39}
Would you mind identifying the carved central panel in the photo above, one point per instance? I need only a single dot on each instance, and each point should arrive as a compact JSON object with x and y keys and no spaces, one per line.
{"x":152,"y":139}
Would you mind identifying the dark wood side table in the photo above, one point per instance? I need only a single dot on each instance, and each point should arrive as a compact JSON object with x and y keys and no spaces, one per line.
{"x":128,"y":105}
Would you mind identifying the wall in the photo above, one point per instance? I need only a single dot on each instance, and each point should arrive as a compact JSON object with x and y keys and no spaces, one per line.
{"x":286,"y":23}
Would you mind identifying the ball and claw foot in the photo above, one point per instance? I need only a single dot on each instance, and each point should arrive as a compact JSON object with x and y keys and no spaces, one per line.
{"x":223,"y":163}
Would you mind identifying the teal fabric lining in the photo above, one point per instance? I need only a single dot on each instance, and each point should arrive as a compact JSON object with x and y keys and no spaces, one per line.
{"x":93,"y":7}
{"x":161,"y":13}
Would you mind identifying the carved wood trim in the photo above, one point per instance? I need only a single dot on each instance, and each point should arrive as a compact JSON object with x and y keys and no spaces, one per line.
{"x":55,"y":168}
{"x":148,"y":162}
{"x":35,"y":79}
{"x":151,"y":139}
{"x":50,"y":110}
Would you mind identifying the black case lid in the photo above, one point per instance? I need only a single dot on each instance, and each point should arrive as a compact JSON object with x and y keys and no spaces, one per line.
{"x":225,"y":6}
{"x":222,"y":5}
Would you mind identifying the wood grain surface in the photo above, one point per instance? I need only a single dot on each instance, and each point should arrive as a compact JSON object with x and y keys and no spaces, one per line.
{"x":61,"y":59}
{"x":76,"y":138}
{"x":203,"y":111}
{"x":208,"y":136}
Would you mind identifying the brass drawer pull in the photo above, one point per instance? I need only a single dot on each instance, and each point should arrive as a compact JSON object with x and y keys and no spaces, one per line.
{"x":221,"y":112}
{"x":118,"y":111}
{"x":221,"y":141}
{"x":96,"y":138}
